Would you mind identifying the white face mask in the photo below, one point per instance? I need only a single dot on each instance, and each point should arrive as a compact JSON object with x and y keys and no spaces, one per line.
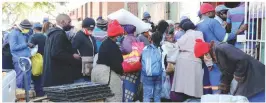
{"x":208,"y":60}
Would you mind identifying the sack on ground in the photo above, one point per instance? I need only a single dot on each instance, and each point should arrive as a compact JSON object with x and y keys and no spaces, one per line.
{"x":223,"y":99}
{"x":37,"y":64}
{"x":151,"y":61}
{"x":131,"y":61}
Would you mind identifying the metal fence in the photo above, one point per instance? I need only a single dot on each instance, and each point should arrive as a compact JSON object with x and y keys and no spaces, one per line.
{"x":254,"y":44}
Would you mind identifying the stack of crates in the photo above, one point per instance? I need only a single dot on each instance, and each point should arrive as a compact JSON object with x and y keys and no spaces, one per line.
{"x":78,"y":92}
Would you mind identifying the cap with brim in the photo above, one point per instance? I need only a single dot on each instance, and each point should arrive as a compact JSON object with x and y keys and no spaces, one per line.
{"x":37,"y":25}
{"x":25,"y":24}
{"x":220,"y":8}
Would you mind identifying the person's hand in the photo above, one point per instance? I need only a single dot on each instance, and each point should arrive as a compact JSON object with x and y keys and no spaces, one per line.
{"x":211,"y":87}
{"x":30,"y":45}
{"x":239,"y":79}
{"x":224,"y":23}
{"x":76,"y":56}
{"x":210,"y":68}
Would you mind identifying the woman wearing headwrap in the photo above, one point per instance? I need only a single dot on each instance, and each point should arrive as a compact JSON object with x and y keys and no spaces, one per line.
{"x":188,"y":73}
{"x":131,"y":80}
{"x":108,"y":69}
{"x":126,"y":45}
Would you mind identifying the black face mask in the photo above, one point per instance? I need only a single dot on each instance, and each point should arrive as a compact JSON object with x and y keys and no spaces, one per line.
{"x":67,"y":28}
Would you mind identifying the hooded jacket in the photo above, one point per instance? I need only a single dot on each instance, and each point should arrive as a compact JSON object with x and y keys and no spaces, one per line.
{"x":59,"y":63}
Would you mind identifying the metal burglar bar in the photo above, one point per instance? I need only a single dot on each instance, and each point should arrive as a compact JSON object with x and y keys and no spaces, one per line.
{"x":254,"y":44}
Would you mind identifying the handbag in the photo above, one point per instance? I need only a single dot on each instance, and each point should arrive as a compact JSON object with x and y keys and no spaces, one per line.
{"x":87,"y":62}
{"x":131,"y":61}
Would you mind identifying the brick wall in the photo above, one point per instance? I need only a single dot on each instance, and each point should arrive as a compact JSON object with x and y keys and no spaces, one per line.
{"x":133,"y":8}
{"x":114,"y":6}
{"x":96,"y":10}
{"x":104,"y":10}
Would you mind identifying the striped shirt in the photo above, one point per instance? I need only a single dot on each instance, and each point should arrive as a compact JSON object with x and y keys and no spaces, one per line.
{"x":235,"y":17}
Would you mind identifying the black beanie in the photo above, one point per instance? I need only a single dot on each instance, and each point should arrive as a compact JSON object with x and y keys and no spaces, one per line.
{"x":88,"y":23}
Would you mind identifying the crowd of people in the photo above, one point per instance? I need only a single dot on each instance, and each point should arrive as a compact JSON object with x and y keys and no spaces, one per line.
{"x":199,"y":59}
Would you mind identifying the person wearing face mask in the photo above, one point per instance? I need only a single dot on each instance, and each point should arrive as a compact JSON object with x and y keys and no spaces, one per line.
{"x":60,"y":59}
{"x":221,"y":14}
{"x":19,"y":48}
{"x":188,"y":75}
{"x":234,"y":64}
{"x":38,"y":38}
{"x":85,"y":43}
{"x":108,"y":69}
{"x":147,"y":19}
{"x":212,"y":30}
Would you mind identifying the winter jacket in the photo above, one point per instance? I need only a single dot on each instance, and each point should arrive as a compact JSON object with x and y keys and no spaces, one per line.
{"x":59,"y":63}
{"x":38,"y":39}
{"x":86,"y":45}
{"x":99,"y":36}
{"x":211,"y":29}
{"x":126,"y":46}
{"x":110,"y":55}
{"x":18,"y":45}
{"x":142,"y":38}
{"x":233,"y":61}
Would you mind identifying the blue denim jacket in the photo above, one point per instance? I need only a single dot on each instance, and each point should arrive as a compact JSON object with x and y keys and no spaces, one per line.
{"x":18,"y":45}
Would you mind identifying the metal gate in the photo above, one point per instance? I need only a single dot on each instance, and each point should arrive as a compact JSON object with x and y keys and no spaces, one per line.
{"x":254,"y":44}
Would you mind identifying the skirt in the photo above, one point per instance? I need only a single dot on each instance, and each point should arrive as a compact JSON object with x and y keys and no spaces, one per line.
{"x":130,"y":86}
{"x":100,"y":74}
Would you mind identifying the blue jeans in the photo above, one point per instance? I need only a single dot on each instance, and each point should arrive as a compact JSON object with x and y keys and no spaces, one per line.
{"x":259,"y":97}
{"x":152,"y":88}
{"x":20,"y":76}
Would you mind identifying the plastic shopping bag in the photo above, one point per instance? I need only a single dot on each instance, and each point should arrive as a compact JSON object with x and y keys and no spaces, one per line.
{"x":131,"y":61}
{"x":166,"y":86}
{"x":37,"y":64}
{"x":34,"y":50}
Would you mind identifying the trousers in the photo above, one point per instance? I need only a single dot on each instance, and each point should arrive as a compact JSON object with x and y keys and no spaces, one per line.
{"x":152,"y":87}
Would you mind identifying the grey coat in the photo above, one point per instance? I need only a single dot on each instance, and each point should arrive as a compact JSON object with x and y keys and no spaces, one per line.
{"x":233,"y":61}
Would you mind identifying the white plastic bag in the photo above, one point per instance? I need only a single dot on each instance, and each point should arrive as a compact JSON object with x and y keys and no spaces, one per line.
{"x":172,"y":54}
{"x":125,"y":17}
{"x":223,"y":99}
{"x":34,"y":50}
{"x":166,"y":86}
